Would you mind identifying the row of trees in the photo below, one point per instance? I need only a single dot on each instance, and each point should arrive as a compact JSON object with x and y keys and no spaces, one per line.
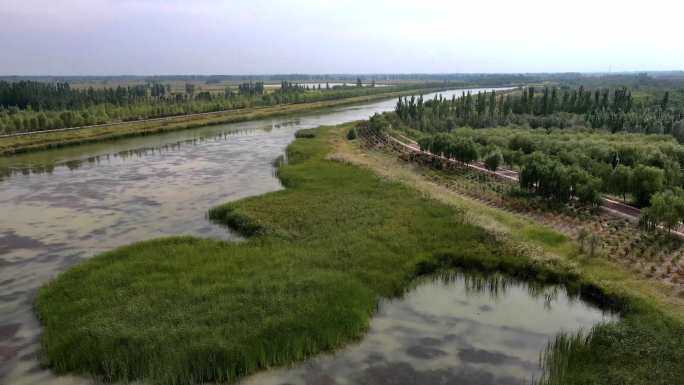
{"x":646,"y":120}
{"x":579,"y":101}
{"x":567,"y":165}
{"x":552,"y":107}
{"x":251,"y":89}
{"x":453,"y":147}
{"x":541,"y":174}
{"x":53,"y":96}
{"x":25,"y":118}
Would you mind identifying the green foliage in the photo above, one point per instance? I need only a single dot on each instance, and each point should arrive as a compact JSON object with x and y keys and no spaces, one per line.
{"x":459,"y":148}
{"x":521,"y":143}
{"x":641,"y":349}
{"x":620,"y":181}
{"x":493,"y":160}
{"x":646,"y":181}
{"x":562,"y":164}
{"x":552,"y":108}
{"x":463,"y":149}
{"x":666,"y":210}
{"x":546,"y":177}
{"x":352,"y":133}
{"x":378,"y":123}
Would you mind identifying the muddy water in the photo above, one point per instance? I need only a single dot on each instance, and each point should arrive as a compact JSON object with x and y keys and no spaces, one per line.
{"x":61,"y":206}
{"x":458,"y":329}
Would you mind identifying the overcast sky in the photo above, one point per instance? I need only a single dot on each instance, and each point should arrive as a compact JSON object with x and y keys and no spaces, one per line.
{"x":109,"y":37}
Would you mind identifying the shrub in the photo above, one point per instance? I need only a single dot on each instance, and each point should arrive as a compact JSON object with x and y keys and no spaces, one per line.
{"x":493,"y":160}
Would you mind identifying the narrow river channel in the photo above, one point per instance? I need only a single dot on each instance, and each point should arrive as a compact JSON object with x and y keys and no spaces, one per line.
{"x":61,"y":206}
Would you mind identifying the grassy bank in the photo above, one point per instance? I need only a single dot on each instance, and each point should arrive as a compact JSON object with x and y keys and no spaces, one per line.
{"x":43,"y":141}
{"x":321,"y":254}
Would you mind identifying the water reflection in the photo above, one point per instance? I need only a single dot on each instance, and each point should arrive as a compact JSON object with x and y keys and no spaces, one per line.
{"x":452,"y":329}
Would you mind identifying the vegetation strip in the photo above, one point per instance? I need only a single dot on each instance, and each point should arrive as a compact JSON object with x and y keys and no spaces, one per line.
{"x":321,"y":254}
{"x":61,"y":138}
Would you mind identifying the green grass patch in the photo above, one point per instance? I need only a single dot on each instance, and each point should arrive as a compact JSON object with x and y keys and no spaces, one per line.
{"x":545,"y":236}
{"x":322,"y":253}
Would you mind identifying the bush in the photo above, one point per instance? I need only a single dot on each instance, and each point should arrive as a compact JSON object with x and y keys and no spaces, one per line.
{"x":352,"y":134}
{"x":378,"y":123}
{"x":493,"y":160}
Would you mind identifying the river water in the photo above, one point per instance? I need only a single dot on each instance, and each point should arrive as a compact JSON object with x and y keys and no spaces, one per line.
{"x":60,"y":206}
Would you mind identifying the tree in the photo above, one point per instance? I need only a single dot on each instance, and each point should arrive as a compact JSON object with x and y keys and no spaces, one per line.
{"x":493,"y":160}
{"x":620,"y":181}
{"x":665,"y":101}
{"x":588,"y":191}
{"x":546,"y":177}
{"x":521,"y":143}
{"x":463,"y":149}
{"x":378,"y":123}
{"x":352,"y":134}
{"x":646,"y":181}
{"x":666,"y":210}
{"x":512,"y":158}
{"x":189,"y":89}
{"x":678,"y":130}
{"x":358,"y":82}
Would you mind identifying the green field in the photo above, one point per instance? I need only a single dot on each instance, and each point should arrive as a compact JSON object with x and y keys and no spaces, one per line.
{"x":321,"y":254}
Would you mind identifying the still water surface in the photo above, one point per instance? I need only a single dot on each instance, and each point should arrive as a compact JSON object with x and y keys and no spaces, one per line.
{"x":455,"y":329}
{"x":58,"y":207}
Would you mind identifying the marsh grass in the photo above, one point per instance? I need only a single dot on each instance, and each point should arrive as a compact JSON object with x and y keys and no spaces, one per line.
{"x":643,"y":348}
{"x":321,"y":254}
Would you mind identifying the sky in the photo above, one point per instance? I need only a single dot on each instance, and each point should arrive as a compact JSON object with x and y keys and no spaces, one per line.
{"x":163,"y":37}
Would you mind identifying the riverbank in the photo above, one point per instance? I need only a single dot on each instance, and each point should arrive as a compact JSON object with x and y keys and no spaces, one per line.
{"x":71,"y":137}
{"x":190,"y":310}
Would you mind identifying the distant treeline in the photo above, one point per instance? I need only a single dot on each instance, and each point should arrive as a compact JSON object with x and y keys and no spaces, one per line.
{"x":42,"y":96}
{"x":629,"y":79}
{"x":31,"y":106}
